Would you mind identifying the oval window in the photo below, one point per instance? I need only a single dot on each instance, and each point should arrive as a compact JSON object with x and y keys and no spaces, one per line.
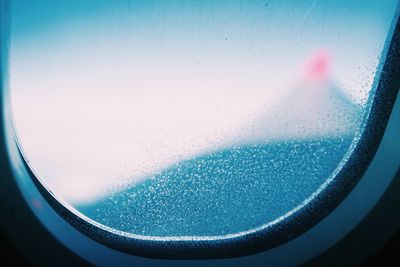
{"x":194,"y":121}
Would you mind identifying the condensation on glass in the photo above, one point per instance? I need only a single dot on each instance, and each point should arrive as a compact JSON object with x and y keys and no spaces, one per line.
{"x":192,"y":119}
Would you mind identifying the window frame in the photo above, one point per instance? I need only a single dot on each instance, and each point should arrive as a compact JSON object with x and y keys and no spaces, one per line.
{"x":18,"y":177}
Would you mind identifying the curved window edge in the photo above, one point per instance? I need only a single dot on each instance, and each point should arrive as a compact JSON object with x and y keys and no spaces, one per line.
{"x":387,"y":84}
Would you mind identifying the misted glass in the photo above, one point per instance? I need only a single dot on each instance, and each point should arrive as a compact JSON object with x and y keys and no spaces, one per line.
{"x":192,"y":119}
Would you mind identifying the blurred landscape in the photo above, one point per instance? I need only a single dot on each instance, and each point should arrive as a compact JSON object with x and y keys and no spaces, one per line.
{"x":191,"y":118}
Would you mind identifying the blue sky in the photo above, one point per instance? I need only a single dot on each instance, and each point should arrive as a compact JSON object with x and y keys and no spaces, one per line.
{"x":94,"y":74}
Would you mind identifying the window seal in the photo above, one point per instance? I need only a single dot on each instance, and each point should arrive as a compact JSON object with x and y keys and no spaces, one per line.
{"x":387,"y":88}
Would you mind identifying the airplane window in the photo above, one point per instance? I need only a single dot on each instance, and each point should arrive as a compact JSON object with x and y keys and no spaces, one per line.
{"x":194,"y":121}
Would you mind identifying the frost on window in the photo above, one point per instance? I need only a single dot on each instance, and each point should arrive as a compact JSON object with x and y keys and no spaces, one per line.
{"x":192,"y":119}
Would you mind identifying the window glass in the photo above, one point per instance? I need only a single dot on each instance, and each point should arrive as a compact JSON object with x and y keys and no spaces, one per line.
{"x":192,"y":119}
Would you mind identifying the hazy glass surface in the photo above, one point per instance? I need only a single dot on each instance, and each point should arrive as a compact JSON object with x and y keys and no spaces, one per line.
{"x":191,"y":118}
